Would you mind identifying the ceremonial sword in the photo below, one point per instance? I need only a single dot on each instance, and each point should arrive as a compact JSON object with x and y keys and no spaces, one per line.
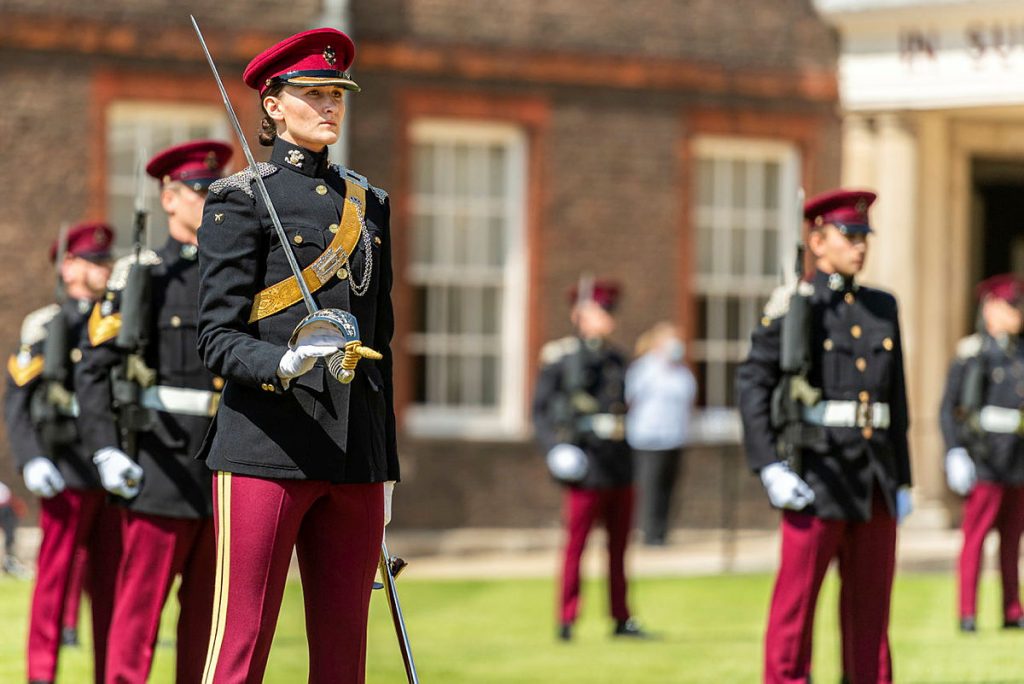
{"x":387,"y":563}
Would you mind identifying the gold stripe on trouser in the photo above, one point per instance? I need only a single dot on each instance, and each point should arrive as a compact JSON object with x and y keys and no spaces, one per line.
{"x":220,"y":588}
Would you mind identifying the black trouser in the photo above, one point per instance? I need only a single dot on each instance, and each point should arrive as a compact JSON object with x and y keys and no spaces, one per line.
{"x":657,"y":472}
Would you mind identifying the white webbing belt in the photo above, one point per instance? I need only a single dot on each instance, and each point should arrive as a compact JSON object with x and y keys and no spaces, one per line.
{"x":852,"y":414}
{"x":181,"y":400}
{"x":999,"y":419}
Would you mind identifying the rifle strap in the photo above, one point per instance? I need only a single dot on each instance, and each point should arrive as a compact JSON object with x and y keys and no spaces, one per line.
{"x":284,"y":294}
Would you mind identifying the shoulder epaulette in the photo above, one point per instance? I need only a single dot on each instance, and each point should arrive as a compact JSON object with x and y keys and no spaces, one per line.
{"x":243,"y":179}
{"x":360,"y":180}
{"x":555,"y":350}
{"x":23,"y":367}
{"x":778,"y":303}
{"x":103,"y":328}
{"x":119,"y":273}
{"x":33,"y":328}
{"x":969,"y":347}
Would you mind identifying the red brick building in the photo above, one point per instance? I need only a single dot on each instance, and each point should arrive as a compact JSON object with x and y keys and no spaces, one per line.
{"x":657,"y":142}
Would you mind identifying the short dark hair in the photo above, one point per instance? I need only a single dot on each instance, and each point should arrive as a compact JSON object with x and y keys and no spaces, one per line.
{"x":268,"y":127}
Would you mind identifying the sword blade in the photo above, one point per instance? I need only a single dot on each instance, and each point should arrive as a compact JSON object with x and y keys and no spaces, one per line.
{"x":396,"y":615}
{"x":307,"y":296}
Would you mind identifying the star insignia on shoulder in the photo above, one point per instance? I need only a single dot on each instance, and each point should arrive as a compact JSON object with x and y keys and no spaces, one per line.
{"x":294,"y":157}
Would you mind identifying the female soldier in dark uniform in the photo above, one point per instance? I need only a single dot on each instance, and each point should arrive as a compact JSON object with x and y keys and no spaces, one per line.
{"x":300,"y":460}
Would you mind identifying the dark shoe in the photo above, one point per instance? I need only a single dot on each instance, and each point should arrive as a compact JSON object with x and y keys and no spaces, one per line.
{"x":69,"y":636}
{"x":630,"y":628}
{"x":565,"y":631}
{"x":1014,"y":624}
{"x":968,"y":624}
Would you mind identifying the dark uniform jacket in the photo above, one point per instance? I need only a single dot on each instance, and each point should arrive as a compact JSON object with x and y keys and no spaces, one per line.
{"x":578,"y":381}
{"x":57,"y":440}
{"x":174,"y":484}
{"x":317,"y":428}
{"x":999,"y":456}
{"x":856,"y":355}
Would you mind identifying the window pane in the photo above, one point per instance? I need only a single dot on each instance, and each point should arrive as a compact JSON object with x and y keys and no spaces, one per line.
{"x":136,"y":130}
{"x":739,"y":193}
{"x":466,"y":219}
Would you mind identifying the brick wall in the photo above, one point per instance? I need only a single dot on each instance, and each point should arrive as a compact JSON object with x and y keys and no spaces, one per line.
{"x":618,"y":84}
{"x":739,"y":33}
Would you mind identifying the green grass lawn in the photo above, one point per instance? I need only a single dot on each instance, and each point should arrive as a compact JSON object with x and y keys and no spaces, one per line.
{"x":502,"y":632}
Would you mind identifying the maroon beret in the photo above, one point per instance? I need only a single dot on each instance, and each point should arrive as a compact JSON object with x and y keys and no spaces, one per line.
{"x":197,"y":163}
{"x":87,"y":240}
{"x":1005,"y":286}
{"x":846,"y":209}
{"x":316,"y":57}
{"x":604,"y":293}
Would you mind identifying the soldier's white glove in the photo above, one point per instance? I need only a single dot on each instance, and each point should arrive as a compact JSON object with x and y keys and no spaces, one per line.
{"x":389,"y":493}
{"x":302,"y":358}
{"x":961,"y":473}
{"x":785,"y":488}
{"x":119,"y":474}
{"x":904,"y":504}
{"x":42,"y":477}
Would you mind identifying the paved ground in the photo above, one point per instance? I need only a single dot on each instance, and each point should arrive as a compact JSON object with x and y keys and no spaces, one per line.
{"x":535,"y":553}
{"x":483,"y":553}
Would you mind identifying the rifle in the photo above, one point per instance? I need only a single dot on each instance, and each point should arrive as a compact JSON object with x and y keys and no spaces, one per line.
{"x":53,"y":404}
{"x":573,"y":401}
{"x":794,"y":390}
{"x":132,"y":376}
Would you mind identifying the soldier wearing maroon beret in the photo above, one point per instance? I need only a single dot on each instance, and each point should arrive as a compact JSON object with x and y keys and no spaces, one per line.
{"x":301,"y":461}
{"x":579,"y":415}
{"x":40,"y":407}
{"x":981,"y":423}
{"x":167,"y":521}
{"x":840,"y":471}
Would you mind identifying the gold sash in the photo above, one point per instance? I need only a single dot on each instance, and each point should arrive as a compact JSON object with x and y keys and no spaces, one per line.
{"x":280,"y":296}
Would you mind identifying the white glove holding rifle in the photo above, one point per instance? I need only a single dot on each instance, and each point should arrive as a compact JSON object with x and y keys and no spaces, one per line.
{"x":119,"y":474}
{"x":389,"y":493}
{"x":961,"y":473}
{"x":42,"y":477}
{"x":785,"y":488}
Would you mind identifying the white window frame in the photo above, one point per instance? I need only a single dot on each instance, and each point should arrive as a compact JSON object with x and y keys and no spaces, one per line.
{"x":147,"y":117}
{"x":508,"y":420}
{"x":716,"y":423}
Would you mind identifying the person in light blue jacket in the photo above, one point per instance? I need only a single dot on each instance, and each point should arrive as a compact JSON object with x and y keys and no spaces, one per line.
{"x":660,"y":391}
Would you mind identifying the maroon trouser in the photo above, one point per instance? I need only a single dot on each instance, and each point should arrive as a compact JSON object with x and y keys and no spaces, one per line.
{"x":74,"y":598}
{"x":69,"y":520}
{"x":867,"y":560}
{"x":159,"y":549}
{"x":583,"y":507}
{"x":336,"y":530}
{"x":992,"y":505}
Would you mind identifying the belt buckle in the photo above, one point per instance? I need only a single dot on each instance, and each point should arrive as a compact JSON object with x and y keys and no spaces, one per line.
{"x":326,"y":265}
{"x":866,"y":418}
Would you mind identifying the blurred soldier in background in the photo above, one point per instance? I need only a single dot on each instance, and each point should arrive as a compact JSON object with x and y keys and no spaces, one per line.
{"x":40,"y":409}
{"x":579,"y":408}
{"x":9,"y":518}
{"x":824,"y":410}
{"x":981,"y":423}
{"x":660,"y":391}
{"x":168,"y":525}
